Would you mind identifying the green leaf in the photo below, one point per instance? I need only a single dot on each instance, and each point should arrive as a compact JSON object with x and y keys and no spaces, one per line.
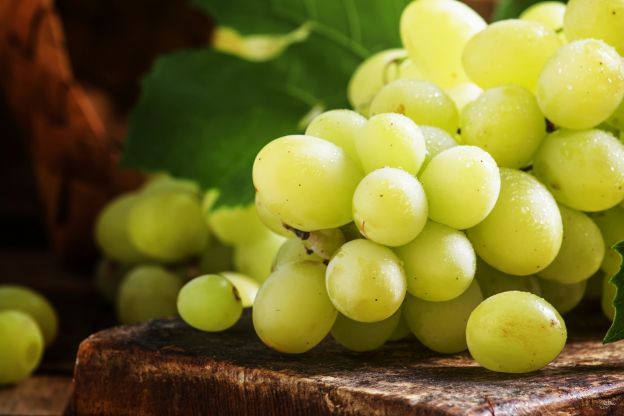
{"x":204,"y":115}
{"x":616,"y":331}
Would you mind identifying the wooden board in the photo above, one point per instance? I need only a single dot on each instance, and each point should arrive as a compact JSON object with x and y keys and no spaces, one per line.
{"x":165,"y":367}
{"x":39,"y":395}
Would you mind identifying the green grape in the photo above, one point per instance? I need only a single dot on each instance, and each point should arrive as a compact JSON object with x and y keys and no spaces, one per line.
{"x":581,"y":253}
{"x":515,"y":332}
{"x":436,"y":141}
{"x":563,"y":296}
{"x":216,"y":258}
{"x":464,"y":94}
{"x":21,"y":346}
{"x":593,"y":291}
{"x":168,"y":226}
{"x":210,"y":303}
{"x":390,"y":207}
{"x":375,"y":72}
{"x":246,"y":287}
{"x":439,"y":264}
{"x":462,"y":176}
{"x":434,"y":32}
{"x":340,"y":127}
{"x":364,"y":336}
{"x":598,"y":19}
{"x":548,"y":13}
{"x":108,"y":277}
{"x":391,"y":140}
{"x":147,"y":292}
{"x":583,"y":169}
{"x":608,"y":296}
{"x":509,"y":52}
{"x":293,"y":251}
{"x":165,"y":183}
{"x":34,"y":304}
{"x":271,"y":220}
{"x":493,"y":282}
{"x":507,"y":123}
{"x":422,"y":101}
{"x":582,"y":85}
{"x":611,"y":225}
{"x":616,"y":120}
{"x":365,"y":281}
{"x":441,"y":326}
{"x":401,"y":331}
{"x":324,"y":243}
{"x":255,"y":259}
{"x":236,"y":225}
{"x":292,"y":312}
{"x":523,"y":233}
{"x":111,"y":230}
{"x":306,"y":181}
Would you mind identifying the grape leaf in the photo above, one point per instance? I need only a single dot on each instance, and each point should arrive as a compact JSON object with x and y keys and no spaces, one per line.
{"x":204,"y":115}
{"x":616,"y":331}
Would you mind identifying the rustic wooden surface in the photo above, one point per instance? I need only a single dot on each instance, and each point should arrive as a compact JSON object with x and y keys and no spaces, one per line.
{"x":165,"y":367}
{"x":38,"y":395}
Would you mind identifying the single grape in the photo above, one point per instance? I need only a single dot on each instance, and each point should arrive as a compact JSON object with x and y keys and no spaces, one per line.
{"x":436,"y":141}
{"x":421,"y":101}
{"x":324,"y":243}
{"x":111,"y":230}
{"x":562,"y":296}
{"x":515,"y":332}
{"x":464,"y":94}
{"x":598,"y":19}
{"x":548,"y":13}
{"x":582,"y":85}
{"x":493,"y":282}
{"x":168,"y":226}
{"x":340,"y":127}
{"x":608,"y":296}
{"x":441,"y":326}
{"x":401,"y":331}
{"x":507,"y":123}
{"x":583,"y":169}
{"x":462,"y":176}
{"x":236,"y":225}
{"x":271,"y":220}
{"x":26,"y":300}
{"x":391,"y":140}
{"x":372,"y":74}
{"x":364,"y":336}
{"x":216,"y":258}
{"x":306,"y":181}
{"x":439,"y":264}
{"x":435,"y":33}
{"x":611,"y":225}
{"x":210,"y":303}
{"x":293,"y":251}
{"x":21,"y":346}
{"x":255,"y":259}
{"x":147,"y":292}
{"x":509,"y":52}
{"x":292,"y":312}
{"x":523,"y":233}
{"x":365,"y":281}
{"x":581,"y":253}
{"x":390,"y":207}
{"x":246,"y":287}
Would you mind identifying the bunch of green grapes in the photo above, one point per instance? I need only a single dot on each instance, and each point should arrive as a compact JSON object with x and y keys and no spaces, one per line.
{"x":28,"y":324}
{"x":467,"y":200}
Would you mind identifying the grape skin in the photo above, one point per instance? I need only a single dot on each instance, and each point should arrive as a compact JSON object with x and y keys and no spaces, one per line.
{"x":340,"y":127}
{"x":246,"y":287}
{"x":256,"y":258}
{"x":21,"y":346}
{"x":562,"y":296}
{"x":26,"y":300}
{"x":548,"y":13}
{"x":598,"y":19}
{"x":493,"y":282}
{"x":611,"y":225}
{"x":363,"y":336}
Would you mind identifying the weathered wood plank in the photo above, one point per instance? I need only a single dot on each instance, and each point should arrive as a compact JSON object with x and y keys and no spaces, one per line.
{"x":165,"y":367}
{"x":39,"y":395}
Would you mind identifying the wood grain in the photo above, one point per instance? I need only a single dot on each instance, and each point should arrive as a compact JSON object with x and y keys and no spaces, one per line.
{"x":39,"y":395}
{"x":165,"y":367}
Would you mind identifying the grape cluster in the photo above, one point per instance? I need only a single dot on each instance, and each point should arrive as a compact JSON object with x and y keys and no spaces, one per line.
{"x":469,"y":198}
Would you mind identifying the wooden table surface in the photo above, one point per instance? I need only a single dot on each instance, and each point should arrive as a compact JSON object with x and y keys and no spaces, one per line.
{"x":166,"y":367}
